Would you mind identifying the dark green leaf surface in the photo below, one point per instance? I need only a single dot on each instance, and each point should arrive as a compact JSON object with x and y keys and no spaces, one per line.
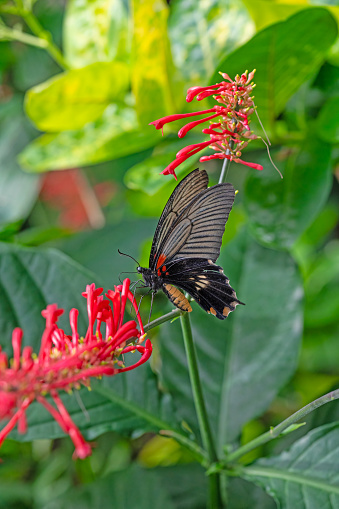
{"x":246,"y":359}
{"x":285,"y":55}
{"x":18,"y":191}
{"x":306,"y":476}
{"x":280,"y":210}
{"x":328,"y":121}
{"x":98,"y":249}
{"x":133,"y":489}
{"x":30,"y":279}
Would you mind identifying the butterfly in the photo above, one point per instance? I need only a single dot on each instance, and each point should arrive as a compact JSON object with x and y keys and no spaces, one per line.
{"x":186,"y":244}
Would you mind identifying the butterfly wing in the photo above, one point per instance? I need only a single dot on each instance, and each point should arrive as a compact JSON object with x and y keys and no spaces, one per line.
{"x":197,"y":232}
{"x":183,"y":194}
{"x":204,"y":281}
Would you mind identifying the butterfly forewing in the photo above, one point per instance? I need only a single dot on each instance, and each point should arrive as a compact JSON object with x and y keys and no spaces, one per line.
{"x":197,"y":232}
{"x":183,"y":194}
{"x":186,"y":244}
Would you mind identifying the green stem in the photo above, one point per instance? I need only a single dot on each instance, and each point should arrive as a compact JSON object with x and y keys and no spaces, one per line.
{"x":277,"y":430}
{"x":12,"y":34}
{"x":33,"y":23}
{"x":225,"y":166}
{"x":199,"y":402}
{"x":165,"y":318}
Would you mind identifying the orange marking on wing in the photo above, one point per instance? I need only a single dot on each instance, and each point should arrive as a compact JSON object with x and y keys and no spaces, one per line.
{"x":167,"y":273}
{"x":213,"y":311}
{"x":159,"y":273}
{"x":161,"y":260}
{"x":163,"y":268}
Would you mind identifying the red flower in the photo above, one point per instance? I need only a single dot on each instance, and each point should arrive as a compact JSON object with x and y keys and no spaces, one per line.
{"x":64,"y":362}
{"x":231,"y":134}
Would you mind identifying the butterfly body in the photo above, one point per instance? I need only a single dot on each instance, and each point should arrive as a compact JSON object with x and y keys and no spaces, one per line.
{"x":186,"y":244}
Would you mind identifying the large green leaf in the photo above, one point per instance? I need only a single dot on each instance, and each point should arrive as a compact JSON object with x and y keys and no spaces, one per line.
{"x":201,"y":33}
{"x":306,"y":476}
{"x":152,"y":69}
{"x":114,"y":135}
{"x":146,"y":175}
{"x":18,"y":190}
{"x":127,"y":236}
{"x":328,"y":122}
{"x":95,"y":31}
{"x":134,"y":488}
{"x":280,"y":210}
{"x":74,"y":98}
{"x":245,"y":360}
{"x":285,"y":55}
{"x":29,"y":280}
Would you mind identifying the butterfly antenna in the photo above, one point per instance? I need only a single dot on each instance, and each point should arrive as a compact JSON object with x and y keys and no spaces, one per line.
{"x":129,"y":256}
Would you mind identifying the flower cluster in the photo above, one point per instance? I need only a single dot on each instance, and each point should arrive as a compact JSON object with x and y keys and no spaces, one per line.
{"x":65,"y":362}
{"x":231,"y":133}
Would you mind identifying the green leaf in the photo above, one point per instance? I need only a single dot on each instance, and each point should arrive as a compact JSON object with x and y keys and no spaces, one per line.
{"x":112,"y":136}
{"x":201,"y":33}
{"x":151,"y":83}
{"x":280,"y":210}
{"x":246,"y":359}
{"x":106,"y":261}
{"x":285,"y":55}
{"x":18,"y":190}
{"x":328,"y":122}
{"x":29,"y":280}
{"x":266,"y":13}
{"x":95,"y":31}
{"x":321,"y":288}
{"x":146,"y":175}
{"x":133,"y":489}
{"x":74,"y":98}
{"x":306,"y":476}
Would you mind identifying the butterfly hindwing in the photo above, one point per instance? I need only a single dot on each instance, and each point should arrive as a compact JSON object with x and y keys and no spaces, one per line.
{"x":183,"y":194}
{"x":205,"y":282}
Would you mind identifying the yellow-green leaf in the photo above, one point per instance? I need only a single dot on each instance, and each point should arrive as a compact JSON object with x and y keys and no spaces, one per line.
{"x":112,"y":136}
{"x":152,"y":61}
{"x":95,"y":30}
{"x":72,"y":99}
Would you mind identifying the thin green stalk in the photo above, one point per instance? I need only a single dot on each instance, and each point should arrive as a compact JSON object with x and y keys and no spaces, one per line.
{"x":199,"y":402}
{"x":11,"y":34}
{"x":175,"y":313}
{"x":280,"y":428}
{"x":33,"y":23}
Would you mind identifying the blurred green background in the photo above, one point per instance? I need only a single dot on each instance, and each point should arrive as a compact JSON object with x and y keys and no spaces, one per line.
{"x":79,"y":172}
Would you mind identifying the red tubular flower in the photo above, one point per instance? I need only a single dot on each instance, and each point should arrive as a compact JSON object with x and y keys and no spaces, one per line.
{"x":65,"y":362}
{"x":228,"y":136}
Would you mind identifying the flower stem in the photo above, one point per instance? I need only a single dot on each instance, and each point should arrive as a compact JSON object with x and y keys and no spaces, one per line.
{"x":175,"y":313}
{"x":224,"y":170}
{"x":277,"y":430}
{"x":33,"y":23}
{"x":199,"y":402}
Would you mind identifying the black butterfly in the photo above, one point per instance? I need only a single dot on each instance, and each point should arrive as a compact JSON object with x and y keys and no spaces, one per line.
{"x":186,"y":244}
